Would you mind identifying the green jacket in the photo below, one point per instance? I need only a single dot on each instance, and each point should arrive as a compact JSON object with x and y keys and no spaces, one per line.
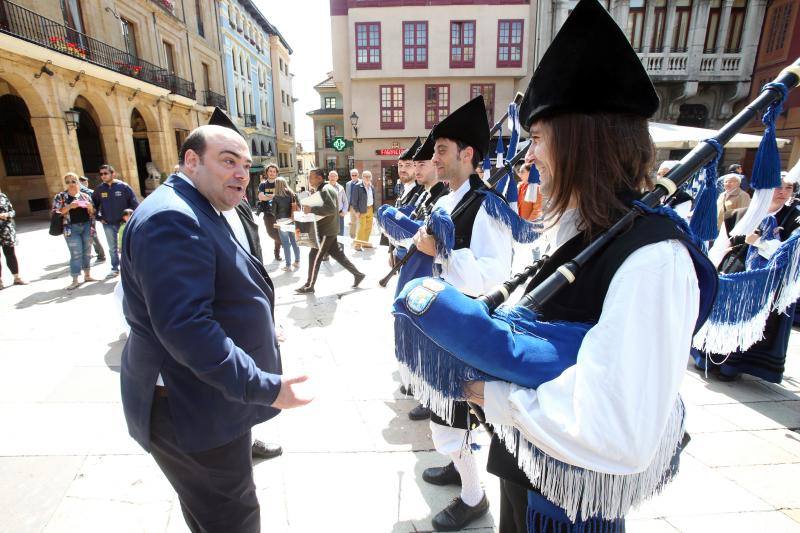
{"x":328,"y":226}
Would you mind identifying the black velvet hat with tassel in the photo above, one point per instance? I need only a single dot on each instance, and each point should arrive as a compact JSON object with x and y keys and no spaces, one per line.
{"x":425,"y":152}
{"x":467,"y":124}
{"x":408,"y":155}
{"x":590,"y":67}
{"x":219,"y":118}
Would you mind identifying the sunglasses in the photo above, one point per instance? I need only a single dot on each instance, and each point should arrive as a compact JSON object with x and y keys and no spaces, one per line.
{"x":105,"y":173}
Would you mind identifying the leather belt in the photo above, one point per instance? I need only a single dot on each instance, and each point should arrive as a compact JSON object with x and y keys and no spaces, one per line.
{"x":160,"y":392}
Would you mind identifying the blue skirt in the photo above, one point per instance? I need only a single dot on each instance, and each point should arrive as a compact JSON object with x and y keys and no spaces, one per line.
{"x":546,"y":517}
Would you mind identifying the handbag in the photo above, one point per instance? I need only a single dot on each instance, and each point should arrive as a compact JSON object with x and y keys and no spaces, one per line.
{"x":56,"y":224}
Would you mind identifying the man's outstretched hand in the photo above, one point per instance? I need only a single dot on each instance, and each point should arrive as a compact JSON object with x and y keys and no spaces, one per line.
{"x":294,"y":393}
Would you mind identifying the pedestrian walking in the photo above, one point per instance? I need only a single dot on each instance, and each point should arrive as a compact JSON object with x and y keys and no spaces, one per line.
{"x":266,"y":190}
{"x":327,"y":229}
{"x":78,"y":214}
{"x":341,"y":195}
{"x":98,"y":248}
{"x":8,"y":239}
{"x":364,"y":204}
{"x":348,"y":190}
{"x":283,"y":203}
{"x":110,"y":199}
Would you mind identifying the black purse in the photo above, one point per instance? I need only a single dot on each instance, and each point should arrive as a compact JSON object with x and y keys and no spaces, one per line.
{"x":56,"y":224}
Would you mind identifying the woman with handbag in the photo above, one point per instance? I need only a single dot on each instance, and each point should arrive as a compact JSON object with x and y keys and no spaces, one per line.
{"x":284,"y":203}
{"x":77,"y":219}
{"x":8,"y":238}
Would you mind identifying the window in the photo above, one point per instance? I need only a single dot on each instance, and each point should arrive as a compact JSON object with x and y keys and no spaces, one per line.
{"x":169,"y":54}
{"x":462,"y":43}
{"x":392,"y":107}
{"x":733,"y":43}
{"x":437,"y":104}
{"x":368,"y":45}
{"x":239,"y":109}
{"x":290,"y":129}
{"x":330,"y":102}
{"x":285,"y":129}
{"x":712,"y":28}
{"x":683,"y":17}
{"x":635,"y":29}
{"x":415,"y":45}
{"x":330,"y":133}
{"x":198,"y":10}
{"x":206,"y":77}
{"x":509,"y":43}
{"x":778,"y":26}
{"x":129,"y":36}
{"x":73,"y":17}
{"x":659,"y":21}
{"x":280,"y":62}
{"x":487,"y":90}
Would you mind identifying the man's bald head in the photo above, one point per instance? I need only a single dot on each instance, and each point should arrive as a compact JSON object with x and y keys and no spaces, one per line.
{"x":199,"y":138}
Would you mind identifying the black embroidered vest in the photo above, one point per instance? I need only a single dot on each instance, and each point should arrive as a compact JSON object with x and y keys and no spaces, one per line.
{"x":464,"y":222}
{"x":582,"y":301}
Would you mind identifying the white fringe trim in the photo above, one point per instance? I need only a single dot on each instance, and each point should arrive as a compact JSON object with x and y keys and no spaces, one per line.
{"x":588,"y":493}
{"x":428,"y":396}
{"x":756,"y":211}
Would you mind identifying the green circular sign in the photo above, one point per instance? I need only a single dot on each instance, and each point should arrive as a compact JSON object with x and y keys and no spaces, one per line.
{"x":339,"y":144}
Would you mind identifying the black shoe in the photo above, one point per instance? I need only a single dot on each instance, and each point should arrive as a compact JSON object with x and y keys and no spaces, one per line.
{"x":403,"y":390}
{"x":304,"y":290}
{"x":419,"y":413}
{"x":459,"y":515}
{"x":442,"y":475}
{"x":325,"y":259}
{"x":262,"y":450}
{"x":99,"y":260}
{"x":358,"y":279}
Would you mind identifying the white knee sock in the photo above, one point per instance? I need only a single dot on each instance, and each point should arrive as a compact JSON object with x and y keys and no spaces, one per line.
{"x":467,"y":466}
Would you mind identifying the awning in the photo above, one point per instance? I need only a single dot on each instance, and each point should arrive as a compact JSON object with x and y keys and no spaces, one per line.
{"x":685,"y":137}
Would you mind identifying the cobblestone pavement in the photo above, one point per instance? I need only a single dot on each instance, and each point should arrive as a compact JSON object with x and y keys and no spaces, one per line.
{"x":353,"y":461}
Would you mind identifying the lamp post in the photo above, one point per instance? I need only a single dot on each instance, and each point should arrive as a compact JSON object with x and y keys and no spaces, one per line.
{"x":354,"y":123}
{"x":72,"y":118}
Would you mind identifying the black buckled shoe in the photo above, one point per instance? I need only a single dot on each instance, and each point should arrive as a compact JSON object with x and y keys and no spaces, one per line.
{"x":459,"y":515}
{"x":263,"y":450}
{"x":304,"y":290}
{"x":358,"y":278}
{"x":442,"y":475}
{"x":419,"y":413}
{"x":404,"y":390}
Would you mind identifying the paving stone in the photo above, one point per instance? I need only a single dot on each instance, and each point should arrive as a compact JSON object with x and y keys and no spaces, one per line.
{"x":737,"y":448}
{"x":760,"y":415}
{"x":772,"y":521}
{"x":775,"y":484}
{"x":649,"y":526}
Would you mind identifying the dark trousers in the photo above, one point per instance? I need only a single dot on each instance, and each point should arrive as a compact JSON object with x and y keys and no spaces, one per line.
{"x":513,"y":508}
{"x":11,"y":259}
{"x":272,"y":231}
{"x":328,"y":246}
{"x":215,"y":487}
{"x":98,"y":248}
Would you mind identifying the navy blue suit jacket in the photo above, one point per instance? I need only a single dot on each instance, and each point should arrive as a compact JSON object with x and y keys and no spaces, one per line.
{"x":200,"y":309}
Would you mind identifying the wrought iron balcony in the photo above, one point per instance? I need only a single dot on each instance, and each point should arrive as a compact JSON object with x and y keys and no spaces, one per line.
{"x":249,"y":121}
{"x":25,"y":24}
{"x":180,"y":86}
{"x":215,"y":100}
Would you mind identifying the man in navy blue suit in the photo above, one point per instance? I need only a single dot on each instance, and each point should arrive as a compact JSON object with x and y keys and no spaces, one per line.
{"x":202,"y":364}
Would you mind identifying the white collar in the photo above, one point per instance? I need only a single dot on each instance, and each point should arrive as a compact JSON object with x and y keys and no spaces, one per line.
{"x":188,"y":180}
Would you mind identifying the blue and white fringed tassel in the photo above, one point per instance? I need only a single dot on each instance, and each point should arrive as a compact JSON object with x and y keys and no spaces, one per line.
{"x":441,"y":226}
{"x":396,"y":225}
{"x":766,"y":176}
{"x":512,"y":194}
{"x":523,"y":231}
{"x":532,"y":192}
{"x":745,"y":299}
{"x":487,"y":169}
{"x":704,"y":217}
{"x":587,"y":493}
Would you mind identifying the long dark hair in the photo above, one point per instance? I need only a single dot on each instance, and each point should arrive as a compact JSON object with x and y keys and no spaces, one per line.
{"x":600,"y":159}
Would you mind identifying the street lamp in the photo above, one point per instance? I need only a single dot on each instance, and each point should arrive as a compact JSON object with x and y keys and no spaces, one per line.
{"x":72,"y":118}
{"x":354,"y":123}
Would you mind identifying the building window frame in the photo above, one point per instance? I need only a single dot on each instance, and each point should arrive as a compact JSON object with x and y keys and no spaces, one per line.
{"x":328,"y":133}
{"x":489,"y":92}
{"x":637,"y":20}
{"x":682,"y":28}
{"x":437,"y":103}
{"x":659,"y":29}
{"x":372,"y":57}
{"x":712,"y":30}
{"x":417,"y":50}
{"x":391,"y":101}
{"x":733,"y":41}
{"x":509,"y":43}
{"x":458,"y":37}
{"x":329,"y":102}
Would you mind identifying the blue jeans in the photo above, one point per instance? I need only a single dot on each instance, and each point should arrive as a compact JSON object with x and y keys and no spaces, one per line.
{"x":288,"y":241}
{"x":79,"y":243}
{"x":111,"y":231}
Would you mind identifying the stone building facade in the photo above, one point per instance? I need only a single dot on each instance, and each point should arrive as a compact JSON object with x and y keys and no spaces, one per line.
{"x":328,"y":124}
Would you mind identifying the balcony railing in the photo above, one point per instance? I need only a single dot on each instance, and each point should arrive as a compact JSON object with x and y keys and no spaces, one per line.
{"x":29,"y":26}
{"x":706,"y":66}
{"x":180,"y":86}
{"x":215,"y":99}
{"x":249,"y":121}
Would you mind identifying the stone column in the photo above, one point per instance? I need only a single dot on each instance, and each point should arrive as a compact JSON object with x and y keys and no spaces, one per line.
{"x":620,"y":10}
{"x":697,"y":37}
{"x":118,"y":146}
{"x":751,"y":34}
{"x":58,"y":151}
{"x":724,"y":23}
{"x":669,"y":28}
{"x":649,"y":26}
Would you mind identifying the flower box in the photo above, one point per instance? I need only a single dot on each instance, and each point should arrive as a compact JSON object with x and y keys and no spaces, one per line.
{"x":68,"y":47}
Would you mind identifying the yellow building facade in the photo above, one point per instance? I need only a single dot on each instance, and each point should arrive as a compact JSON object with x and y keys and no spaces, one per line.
{"x":88,"y":82}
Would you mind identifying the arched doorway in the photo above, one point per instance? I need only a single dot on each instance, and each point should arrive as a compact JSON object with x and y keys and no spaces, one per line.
{"x":17,"y":140}
{"x":141,"y":148}
{"x":89,"y":141}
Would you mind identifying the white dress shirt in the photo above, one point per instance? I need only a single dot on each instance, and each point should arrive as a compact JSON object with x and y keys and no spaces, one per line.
{"x":370,"y":196}
{"x":607,"y":413}
{"x":487,"y":262}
